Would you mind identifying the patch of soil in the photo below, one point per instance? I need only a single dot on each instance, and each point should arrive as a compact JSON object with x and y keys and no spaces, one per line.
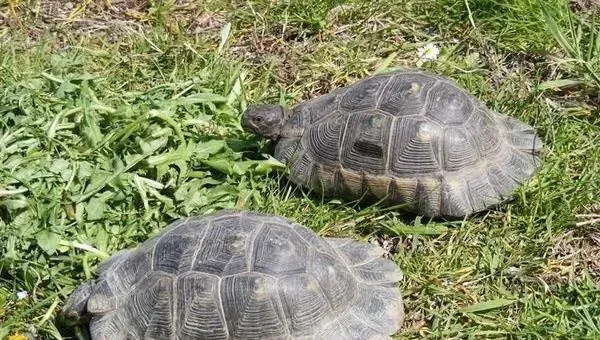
{"x":57,"y":11}
{"x":390,"y":245}
{"x":575,"y":255}
{"x":264,"y":51}
{"x":204,"y":22}
{"x":112,"y":16}
{"x":321,"y":86}
{"x":584,"y":6}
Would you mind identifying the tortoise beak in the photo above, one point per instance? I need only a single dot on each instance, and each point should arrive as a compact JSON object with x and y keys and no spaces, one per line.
{"x":247,"y":122}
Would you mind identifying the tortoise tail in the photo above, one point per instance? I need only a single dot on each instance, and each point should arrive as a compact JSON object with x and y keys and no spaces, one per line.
{"x":521,"y":136}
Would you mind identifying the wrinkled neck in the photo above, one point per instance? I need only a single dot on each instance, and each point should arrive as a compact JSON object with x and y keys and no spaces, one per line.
{"x":287,"y":114}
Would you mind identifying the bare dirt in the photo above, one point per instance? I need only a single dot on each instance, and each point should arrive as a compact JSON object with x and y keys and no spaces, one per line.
{"x":112,"y":17}
{"x":576,"y":254}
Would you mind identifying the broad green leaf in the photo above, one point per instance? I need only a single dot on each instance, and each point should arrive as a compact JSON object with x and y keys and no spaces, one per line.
{"x":151,"y":146}
{"x":206,"y":149}
{"x":179,"y":157}
{"x":52,"y":77}
{"x":61,"y":167}
{"x":48,"y":241}
{"x":64,"y":88}
{"x":26,"y":223}
{"x":95,"y":209}
{"x":99,"y":186}
{"x":182,"y":153}
{"x":142,"y":191}
{"x":240,"y":168}
{"x":90,"y":128}
{"x":265,"y":166}
{"x":166,"y":200}
{"x":14,"y":204}
{"x":221,"y":165}
{"x":165,"y":116}
{"x":191,"y":195}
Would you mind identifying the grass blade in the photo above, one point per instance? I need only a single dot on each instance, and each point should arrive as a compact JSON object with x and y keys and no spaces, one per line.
{"x":558,"y":83}
{"x":558,"y":35}
{"x":418,"y":230}
{"x":386,"y":63}
{"x":225,"y":33}
{"x":487,"y":305}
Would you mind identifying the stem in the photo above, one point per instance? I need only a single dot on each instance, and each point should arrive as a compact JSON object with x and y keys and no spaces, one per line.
{"x":593,"y":221}
{"x":4,"y":193}
{"x":85,"y":247}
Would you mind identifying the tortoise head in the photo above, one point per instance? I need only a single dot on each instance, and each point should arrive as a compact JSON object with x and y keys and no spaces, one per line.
{"x":74,"y":311}
{"x":264,"y":119}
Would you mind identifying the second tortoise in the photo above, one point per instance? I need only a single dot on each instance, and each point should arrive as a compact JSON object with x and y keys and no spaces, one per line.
{"x":408,"y":138}
{"x":242,"y":276}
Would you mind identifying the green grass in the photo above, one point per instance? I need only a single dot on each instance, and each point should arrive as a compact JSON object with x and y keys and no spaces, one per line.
{"x":104,"y":141}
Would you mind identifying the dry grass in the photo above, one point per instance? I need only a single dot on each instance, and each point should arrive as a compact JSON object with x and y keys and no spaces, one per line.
{"x":112,"y":17}
{"x":574,"y":258}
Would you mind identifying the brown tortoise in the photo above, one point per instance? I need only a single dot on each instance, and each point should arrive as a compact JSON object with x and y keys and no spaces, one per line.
{"x":405,"y":137}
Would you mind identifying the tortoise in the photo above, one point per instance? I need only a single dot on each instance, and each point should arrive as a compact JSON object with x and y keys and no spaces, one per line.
{"x":407,"y":138}
{"x":241,"y":275}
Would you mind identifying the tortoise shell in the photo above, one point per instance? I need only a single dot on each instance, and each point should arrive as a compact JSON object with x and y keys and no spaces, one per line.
{"x":411,"y":139}
{"x":235,"y":275}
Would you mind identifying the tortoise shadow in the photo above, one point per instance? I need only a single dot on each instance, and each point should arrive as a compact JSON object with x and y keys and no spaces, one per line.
{"x":68,"y":330}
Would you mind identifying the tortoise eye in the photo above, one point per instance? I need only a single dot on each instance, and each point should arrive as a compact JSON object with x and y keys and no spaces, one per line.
{"x":258,"y":119}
